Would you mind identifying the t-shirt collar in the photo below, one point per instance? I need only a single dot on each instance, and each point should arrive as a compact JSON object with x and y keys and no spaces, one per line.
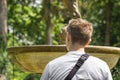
{"x":75,"y":53}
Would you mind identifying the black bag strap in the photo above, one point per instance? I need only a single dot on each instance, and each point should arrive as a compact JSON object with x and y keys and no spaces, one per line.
{"x":79,"y":63}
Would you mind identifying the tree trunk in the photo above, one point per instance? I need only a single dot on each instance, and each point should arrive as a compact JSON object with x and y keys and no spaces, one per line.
{"x":108,"y":23}
{"x":47,"y":16}
{"x":3,"y":19}
{"x":3,"y":30}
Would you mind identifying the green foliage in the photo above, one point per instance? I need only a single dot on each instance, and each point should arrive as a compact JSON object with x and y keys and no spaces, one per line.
{"x":2,"y":54}
{"x":24,"y":23}
{"x":116,"y":71}
{"x":28,"y":26}
{"x":32,"y":77}
{"x":2,"y":44}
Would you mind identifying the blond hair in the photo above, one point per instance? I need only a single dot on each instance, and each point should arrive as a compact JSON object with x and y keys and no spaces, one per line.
{"x":80,"y":30}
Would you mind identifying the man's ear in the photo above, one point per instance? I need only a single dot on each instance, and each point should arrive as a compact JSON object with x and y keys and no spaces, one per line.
{"x":68,"y":37}
{"x":88,"y":42}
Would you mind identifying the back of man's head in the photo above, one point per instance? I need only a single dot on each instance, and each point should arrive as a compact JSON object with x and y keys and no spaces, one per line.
{"x":80,"y":31}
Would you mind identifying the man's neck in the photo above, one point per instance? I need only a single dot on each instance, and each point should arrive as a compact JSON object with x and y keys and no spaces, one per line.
{"x":76,"y":47}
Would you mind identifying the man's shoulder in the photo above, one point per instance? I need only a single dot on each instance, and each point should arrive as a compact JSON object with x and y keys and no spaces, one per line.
{"x":96,"y":62}
{"x":95,"y":59}
{"x":57,"y":60}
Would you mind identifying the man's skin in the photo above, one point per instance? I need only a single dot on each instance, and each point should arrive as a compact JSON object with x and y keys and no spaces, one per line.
{"x":72,"y":6}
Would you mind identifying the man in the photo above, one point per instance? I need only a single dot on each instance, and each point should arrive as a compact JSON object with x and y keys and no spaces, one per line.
{"x":78,"y":35}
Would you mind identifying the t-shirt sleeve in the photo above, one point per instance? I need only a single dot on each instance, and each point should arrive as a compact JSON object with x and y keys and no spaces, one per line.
{"x":45,"y":74}
{"x":108,"y":75}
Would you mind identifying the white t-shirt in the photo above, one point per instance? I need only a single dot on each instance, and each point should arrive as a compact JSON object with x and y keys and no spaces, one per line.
{"x":92,"y":69}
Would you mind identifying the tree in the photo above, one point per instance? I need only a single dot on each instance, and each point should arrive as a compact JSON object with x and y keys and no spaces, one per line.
{"x":108,"y":22}
{"x":3,"y":19}
{"x":3,"y":30}
{"x":47,"y":18}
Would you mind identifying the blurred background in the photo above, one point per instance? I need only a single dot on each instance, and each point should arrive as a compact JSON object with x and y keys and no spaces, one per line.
{"x":38,"y":22}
